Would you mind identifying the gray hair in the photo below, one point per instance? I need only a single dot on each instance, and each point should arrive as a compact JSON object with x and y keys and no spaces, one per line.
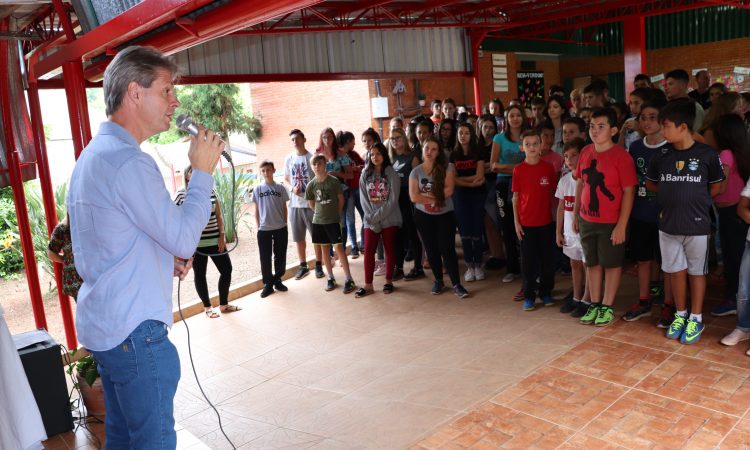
{"x":134,"y":63}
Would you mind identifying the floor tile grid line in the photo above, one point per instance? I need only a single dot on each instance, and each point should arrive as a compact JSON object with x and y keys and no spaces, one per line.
{"x":628,"y":389}
{"x":472,"y":407}
{"x":743,"y":417}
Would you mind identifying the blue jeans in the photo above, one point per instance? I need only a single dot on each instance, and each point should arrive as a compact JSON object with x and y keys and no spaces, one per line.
{"x":743,"y":291}
{"x":352,"y":202}
{"x":140,"y":378}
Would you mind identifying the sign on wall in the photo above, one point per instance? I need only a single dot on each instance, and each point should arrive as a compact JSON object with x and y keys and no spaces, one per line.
{"x":499,"y":72}
{"x":530,"y":85}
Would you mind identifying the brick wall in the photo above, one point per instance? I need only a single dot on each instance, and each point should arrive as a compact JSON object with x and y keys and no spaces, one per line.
{"x":719,"y":57}
{"x":311,"y":107}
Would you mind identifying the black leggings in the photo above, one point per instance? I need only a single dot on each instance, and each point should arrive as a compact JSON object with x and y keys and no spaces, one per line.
{"x":223,"y":264}
{"x":407,"y":236}
{"x":439,"y":237}
{"x":732,"y":231}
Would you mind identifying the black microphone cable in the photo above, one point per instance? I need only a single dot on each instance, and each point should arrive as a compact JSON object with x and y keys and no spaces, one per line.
{"x":179,"y":285}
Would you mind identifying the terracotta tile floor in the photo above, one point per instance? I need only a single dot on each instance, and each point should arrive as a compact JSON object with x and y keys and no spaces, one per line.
{"x":309,"y":369}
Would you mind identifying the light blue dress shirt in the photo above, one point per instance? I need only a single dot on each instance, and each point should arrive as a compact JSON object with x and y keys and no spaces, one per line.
{"x":125,"y":230}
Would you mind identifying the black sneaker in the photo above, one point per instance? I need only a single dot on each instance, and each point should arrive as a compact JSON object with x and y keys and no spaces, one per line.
{"x":349,"y":286}
{"x":437,"y":287}
{"x":331,"y":284}
{"x":398,"y":274}
{"x":494,"y":264}
{"x":414,"y":274}
{"x":460,"y":291}
{"x":580,"y":310}
{"x":666,"y":316}
{"x":267,"y":290}
{"x":279,"y":286}
{"x":637,"y":311}
{"x":302,"y":272}
{"x":569,"y":305}
{"x":319,"y":271}
{"x":355,"y":253}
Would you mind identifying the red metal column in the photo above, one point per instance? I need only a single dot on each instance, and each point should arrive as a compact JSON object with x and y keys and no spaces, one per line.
{"x":634,"y":37}
{"x":50,"y":211}
{"x":476,"y":41}
{"x":19,"y":198}
{"x":78,"y":111}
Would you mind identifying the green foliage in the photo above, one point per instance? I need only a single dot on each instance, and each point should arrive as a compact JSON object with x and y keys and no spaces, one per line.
{"x":218,"y":107}
{"x":86,"y":366}
{"x":224,"y":194}
{"x":61,"y":197}
{"x":11,"y":258}
{"x":38,"y":224}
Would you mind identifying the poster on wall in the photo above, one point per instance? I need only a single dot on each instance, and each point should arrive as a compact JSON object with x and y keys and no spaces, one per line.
{"x":530,"y":85}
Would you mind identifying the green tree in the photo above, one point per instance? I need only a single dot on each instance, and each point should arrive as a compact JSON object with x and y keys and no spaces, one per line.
{"x":218,"y":107}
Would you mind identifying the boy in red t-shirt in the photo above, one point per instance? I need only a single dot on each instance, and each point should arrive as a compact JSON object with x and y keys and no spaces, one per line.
{"x":605,"y":191}
{"x":534,"y":184}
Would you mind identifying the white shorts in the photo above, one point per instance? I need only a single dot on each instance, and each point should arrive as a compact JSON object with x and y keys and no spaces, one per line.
{"x":572,"y":248}
{"x":679,"y":252}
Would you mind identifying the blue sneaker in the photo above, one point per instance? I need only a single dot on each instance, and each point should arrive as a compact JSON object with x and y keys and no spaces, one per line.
{"x":437,"y":287}
{"x":677,"y":327}
{"x":528,"y":304}
{"x":727,"y":308}
{"x":693,"y":331}
{"x":548,"y":301}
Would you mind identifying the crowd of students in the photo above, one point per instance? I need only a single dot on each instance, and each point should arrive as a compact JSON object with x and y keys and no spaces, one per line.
{"x":576,"y":183}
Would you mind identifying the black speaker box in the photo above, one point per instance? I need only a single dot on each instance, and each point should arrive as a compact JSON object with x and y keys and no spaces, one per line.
{"x":44,"y":369}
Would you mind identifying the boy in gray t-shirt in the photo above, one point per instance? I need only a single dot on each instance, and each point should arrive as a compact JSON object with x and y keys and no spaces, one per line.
{"x":270,"y":218}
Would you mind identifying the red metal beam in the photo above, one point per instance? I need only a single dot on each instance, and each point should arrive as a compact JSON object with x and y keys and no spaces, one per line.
{"x":132,"y":23}
{"x":590,"y":16}
{"x":282,"y":77}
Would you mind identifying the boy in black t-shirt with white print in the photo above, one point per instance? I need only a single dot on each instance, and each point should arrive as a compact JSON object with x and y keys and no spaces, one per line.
{"x":686,"y":176}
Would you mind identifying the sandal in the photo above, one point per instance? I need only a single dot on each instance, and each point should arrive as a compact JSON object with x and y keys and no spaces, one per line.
{"x":361,"y":292}
{"x":211,"y":314}
{"x":387,"y":288}
{"x":229,"y":308}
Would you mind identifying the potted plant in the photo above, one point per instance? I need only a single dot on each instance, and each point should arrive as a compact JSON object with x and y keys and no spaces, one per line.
{"x":88,"y":383}
{"x":422,"y":99}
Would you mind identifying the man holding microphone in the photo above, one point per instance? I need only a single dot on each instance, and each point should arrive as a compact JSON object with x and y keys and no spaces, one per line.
{"x":129,"y":240}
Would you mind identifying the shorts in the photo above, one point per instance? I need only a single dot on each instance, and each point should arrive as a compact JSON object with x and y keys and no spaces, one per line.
{"x":300,"y":219}
{"x":597,"y":245}
{"x":644,"y":241}
{"x":572,"y":248}
{"x":326,"y":234}
{"x":679,"y":252}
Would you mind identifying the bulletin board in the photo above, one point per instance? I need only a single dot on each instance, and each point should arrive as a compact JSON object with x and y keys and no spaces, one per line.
{"x":530,"y":85}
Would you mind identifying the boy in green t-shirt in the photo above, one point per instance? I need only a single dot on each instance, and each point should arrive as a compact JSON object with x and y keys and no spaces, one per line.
{"x":325,"y":197}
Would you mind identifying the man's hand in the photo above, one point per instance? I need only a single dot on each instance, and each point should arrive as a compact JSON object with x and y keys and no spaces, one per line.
{"x":519,"y":231}
{"x":182,"y":267}
{"x":205,"y":150}
{"x":618,"y":235}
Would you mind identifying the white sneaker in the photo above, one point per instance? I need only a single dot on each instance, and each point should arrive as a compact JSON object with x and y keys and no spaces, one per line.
{"x":509,"y":277}
{"x":379,"y":268}
{"x":469,"y":275}
{"x":735,"y":337}
{"x":479,"y":274}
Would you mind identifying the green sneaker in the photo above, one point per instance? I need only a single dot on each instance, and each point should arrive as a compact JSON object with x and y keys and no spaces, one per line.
{"x":591,"y":314}
{"x":677,"y":327}
{"x":605,"y":316}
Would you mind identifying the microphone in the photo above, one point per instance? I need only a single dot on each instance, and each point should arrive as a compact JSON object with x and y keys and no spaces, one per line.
{"x":186,"y":124}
